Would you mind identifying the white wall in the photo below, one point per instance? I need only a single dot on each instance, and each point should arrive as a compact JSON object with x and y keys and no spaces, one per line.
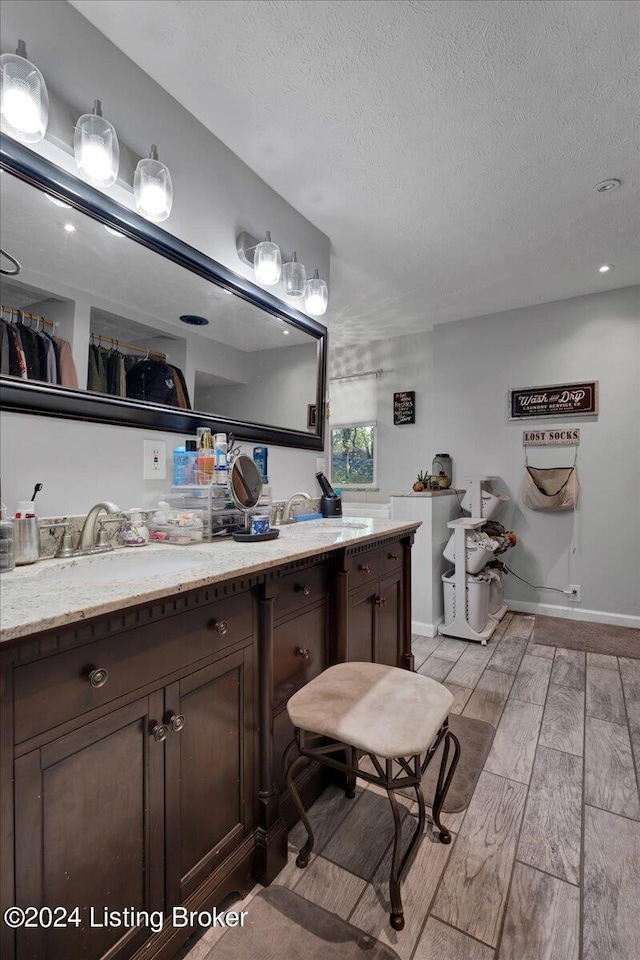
{"x":215,"y":196}
{"x":461,"y":373}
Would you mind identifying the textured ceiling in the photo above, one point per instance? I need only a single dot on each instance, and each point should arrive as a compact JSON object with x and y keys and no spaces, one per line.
{"x":448,"y":148}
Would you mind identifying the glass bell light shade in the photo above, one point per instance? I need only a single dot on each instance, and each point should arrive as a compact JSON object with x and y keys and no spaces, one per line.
{"x":294,"y":279}
{"x":24,"y":101}
{"x":317,"y":296}
{"x":267,"y":262}
{"x":96,"y":148}
{"x":152,"y":188}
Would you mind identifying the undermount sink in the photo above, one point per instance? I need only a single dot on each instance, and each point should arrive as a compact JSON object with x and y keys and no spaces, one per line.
{"x":119,"y":566}
{"x":324,"y":528}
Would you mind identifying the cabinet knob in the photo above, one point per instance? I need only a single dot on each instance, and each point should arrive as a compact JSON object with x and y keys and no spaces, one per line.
{"x":98,"y":677}
{"x":381,"y":601}
{"x":302,"y":652}
{"x":364,"y":568}
{"x":393,"y":556}
{"x":303,"y":588}
{"x":177,"y":722}
{"x":220,"y":626}
{"x":160,"y":732}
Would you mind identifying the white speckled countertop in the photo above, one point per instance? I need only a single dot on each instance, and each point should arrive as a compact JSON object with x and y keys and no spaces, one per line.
{"x":54,"y":593}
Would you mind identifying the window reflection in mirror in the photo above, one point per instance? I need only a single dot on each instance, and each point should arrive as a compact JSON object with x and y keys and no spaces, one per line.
{"x":94,"y":309}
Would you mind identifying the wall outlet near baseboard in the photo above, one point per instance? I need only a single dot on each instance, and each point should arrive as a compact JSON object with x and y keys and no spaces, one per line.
{"x":574,"y":593}
{"x":154,"y":460}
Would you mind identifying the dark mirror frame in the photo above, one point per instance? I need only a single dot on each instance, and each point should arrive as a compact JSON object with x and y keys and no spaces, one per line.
{"x":46,"y":400}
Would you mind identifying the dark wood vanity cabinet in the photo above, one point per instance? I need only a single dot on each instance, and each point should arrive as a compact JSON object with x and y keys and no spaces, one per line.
{"x":142,"y":751}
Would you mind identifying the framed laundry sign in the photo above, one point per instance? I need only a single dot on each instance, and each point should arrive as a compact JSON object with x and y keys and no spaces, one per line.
{"x":404,"y":407}
{"x":554,"y":400}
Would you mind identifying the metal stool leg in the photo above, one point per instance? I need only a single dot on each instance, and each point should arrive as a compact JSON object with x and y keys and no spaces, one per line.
{"x":350,"y":788}
{"x":445,"y":782}
{"x":397,"y":913}
{"x":305,"y":852}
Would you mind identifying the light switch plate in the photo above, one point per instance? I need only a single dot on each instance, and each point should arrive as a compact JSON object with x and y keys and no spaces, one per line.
{"x":155,"y":460}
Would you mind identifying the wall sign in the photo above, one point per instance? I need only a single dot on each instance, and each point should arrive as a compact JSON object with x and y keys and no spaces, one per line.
{"x":551,"y":438}
{"x":555,"y":400}
{"x":404,"y":407}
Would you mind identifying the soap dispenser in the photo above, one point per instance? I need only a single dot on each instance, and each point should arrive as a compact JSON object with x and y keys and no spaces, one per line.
{"x":135,"y":533}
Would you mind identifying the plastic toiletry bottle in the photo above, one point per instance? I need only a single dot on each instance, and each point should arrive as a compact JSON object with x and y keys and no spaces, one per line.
{"x":135,"y":533}
{"x":220,"y":456}
{"x":205,"y":459}
{"x":7,"y":545}
{"x":180,"y":466}
{"x":260,"y":458}
{"x":191,"y":453}
{"x":26,"y":533}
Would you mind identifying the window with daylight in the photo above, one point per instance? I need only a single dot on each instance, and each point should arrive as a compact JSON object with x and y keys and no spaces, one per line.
{"x":352,"y":419}
{"x":353,"y":455}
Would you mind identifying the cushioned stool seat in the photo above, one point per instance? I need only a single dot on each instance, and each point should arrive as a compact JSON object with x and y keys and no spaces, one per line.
{"x":377,"y":709}
{"x":398,"y":718}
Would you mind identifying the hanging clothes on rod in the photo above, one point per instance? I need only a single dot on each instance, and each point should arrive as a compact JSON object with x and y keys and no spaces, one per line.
{"x":34,"y":353}
{"x":116,"y":371}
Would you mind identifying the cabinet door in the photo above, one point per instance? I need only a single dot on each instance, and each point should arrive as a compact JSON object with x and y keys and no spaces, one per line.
{"x":209,"y":790}
{"x":89,"y":832}
{"x":389,"y":632}
{"x":362,"y":624}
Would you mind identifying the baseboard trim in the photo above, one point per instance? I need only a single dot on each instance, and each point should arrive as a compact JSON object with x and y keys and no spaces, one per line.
{"x":426,"y":629}
{"x":573,"y":613}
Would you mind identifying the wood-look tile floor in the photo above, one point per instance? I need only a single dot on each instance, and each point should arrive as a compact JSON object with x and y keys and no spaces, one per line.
{"x":545,"y":861}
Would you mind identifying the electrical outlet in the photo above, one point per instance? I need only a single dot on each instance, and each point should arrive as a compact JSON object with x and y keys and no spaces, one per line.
{"x":575,"y":596}
{"x":155,"y":460}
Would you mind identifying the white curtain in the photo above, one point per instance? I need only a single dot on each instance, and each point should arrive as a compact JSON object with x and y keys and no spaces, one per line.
{"x":353,"y":401}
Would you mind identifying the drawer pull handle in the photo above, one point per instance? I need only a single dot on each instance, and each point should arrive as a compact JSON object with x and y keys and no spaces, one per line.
{"x":220,"y":626}
{"x":364,"y":568}
{"x":302,"y":652}
{"x":98,"y":677}
{"x":177,"y":722}
{"x":381,"y":601}
{"x":303,"y":588}
{"x":160,"y":732}
{"x":393,"y":556}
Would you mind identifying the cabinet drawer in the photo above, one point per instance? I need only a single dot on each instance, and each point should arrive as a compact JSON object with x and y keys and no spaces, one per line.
{"x":298,"y":652}
{"x":299,"y":590}
{"x":375,"y":565}
{"x":66,"y":685}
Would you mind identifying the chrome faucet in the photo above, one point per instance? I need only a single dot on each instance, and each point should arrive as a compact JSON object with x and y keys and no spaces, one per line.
{"x":286,"y":513}
{"x":87,"y":542}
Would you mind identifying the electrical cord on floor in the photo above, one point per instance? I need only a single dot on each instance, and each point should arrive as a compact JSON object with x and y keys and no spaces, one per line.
{"x":535,"y":586}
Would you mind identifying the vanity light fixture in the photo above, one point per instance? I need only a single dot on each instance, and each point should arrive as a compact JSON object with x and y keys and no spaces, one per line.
{"x":605,"y":268}
{"x":267,"y":262}
{"x":152,"y":188}
{"x":317,"y":296}
{"x":24,"y":101}
{"x":96,"y":148}
{"x":294,"y":278}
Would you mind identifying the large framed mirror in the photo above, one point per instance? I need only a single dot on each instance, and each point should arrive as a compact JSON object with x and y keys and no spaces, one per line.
{"x":114,"y":320}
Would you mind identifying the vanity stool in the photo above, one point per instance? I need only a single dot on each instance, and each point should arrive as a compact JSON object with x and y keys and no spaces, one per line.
{"x":392,"y":715}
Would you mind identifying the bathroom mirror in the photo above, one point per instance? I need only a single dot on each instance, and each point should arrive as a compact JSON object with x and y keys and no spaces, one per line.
{"x":159,"y":335}
{"x":246,"y":482}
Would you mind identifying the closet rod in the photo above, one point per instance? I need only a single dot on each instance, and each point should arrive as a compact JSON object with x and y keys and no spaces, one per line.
{"x":359,"y":376}
{"x":153,"y":354}
{"x":29,"y":316}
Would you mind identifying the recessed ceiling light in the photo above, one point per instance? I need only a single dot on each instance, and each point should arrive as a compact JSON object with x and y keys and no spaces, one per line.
{"x":607,"y":185}
{"x":114,"y":233}
{"x":69,"y":227}
{"x":194,"y":320}
{"x":58,"y":203}
{"x":605,"y":268}
{"x":286,"y":332}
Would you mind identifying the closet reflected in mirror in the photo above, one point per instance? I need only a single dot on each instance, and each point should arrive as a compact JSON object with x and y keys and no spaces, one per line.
{"x":97,"y":311}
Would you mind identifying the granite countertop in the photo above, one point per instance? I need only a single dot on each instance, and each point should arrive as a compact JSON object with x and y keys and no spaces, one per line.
{"x":449,"y":492}
{"x":55,"y":593}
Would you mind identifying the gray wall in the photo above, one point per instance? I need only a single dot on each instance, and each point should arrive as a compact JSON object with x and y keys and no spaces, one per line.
{"x":461,"y":373}
{"x":215,"y":196}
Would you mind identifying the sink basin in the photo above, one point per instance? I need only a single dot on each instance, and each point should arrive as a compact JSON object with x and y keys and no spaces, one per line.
{"x":324,"y":528}
{"x":119,"y":566}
